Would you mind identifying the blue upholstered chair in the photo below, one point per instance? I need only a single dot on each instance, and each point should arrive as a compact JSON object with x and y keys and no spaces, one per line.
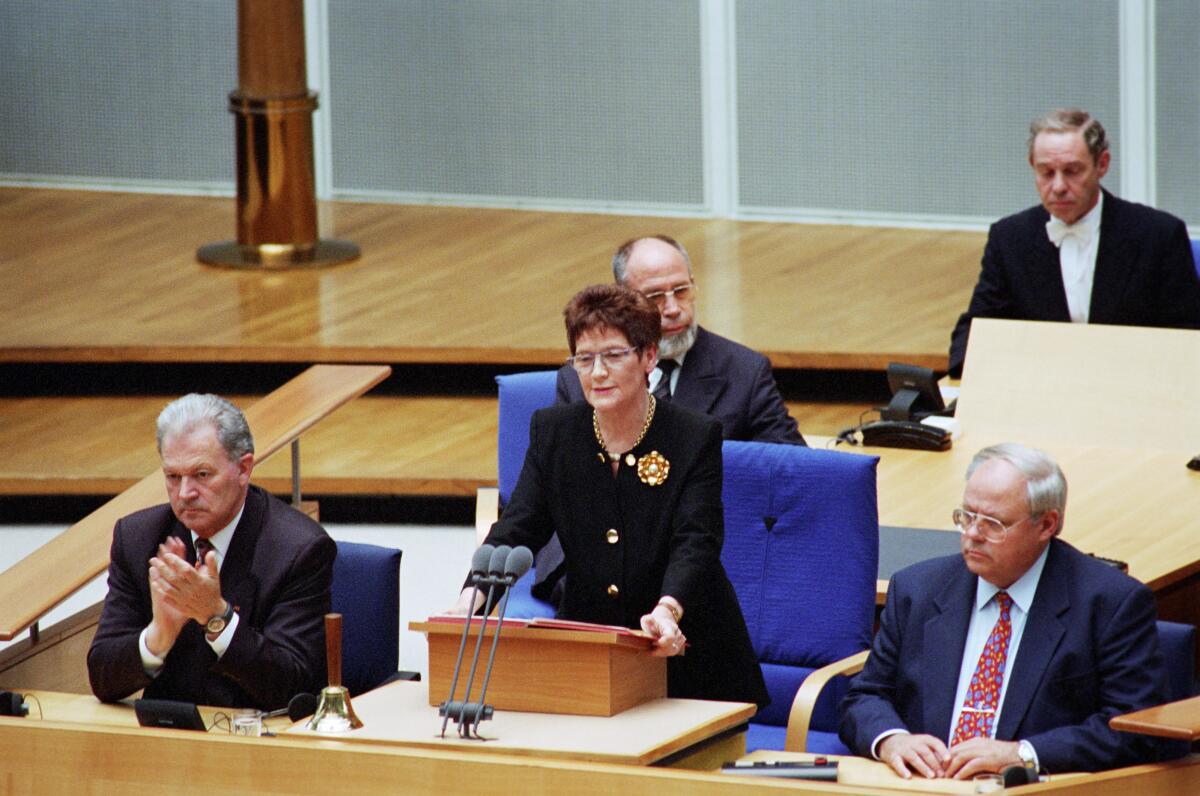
{"x":521,"y":394}
{"x":1196,"y":253}
{"x":802,"y":550}
{"x":366,"y":592}
{"x":1178,"y":644}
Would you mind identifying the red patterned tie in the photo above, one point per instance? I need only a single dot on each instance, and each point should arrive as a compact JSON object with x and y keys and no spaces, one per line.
{"x":983,"y":695}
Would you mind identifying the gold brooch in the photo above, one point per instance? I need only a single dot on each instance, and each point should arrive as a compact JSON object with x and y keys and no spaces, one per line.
{"x":652,"y":468}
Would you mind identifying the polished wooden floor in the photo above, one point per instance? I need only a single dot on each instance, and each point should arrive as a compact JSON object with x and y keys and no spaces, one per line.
{"x":113,"y":277}
{"x":93,"y":277}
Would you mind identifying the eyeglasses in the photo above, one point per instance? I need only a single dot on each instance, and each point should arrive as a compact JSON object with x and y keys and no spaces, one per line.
{"x":613,"y":356}
{"x":989,"y":528}
{"x":680,"y":292}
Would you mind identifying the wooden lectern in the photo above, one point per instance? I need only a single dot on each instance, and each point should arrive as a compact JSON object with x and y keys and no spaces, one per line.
{"x":544,"y":670}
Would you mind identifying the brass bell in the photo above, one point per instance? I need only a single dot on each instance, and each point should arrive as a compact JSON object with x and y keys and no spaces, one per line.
{"x":334,"y":711}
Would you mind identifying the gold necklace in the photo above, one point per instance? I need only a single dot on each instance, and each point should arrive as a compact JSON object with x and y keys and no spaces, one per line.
{"x":645,"y":427}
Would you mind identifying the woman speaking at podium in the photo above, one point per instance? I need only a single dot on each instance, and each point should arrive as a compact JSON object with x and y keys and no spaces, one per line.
{"x":633,"y":487}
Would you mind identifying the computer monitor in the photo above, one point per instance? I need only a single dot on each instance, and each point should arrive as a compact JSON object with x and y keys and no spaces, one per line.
{"x":915,"y":393}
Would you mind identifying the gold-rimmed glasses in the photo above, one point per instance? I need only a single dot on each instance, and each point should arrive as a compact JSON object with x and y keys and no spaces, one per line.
{"x":680,"y":292}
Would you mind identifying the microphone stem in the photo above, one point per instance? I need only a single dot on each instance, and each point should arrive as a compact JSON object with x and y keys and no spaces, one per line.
{"x":487,"y":609}
{"x":462,"y":645}
{"x":487,"y":675}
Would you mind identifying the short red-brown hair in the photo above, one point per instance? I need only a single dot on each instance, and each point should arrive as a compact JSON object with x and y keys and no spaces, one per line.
{"x":615,"y":307}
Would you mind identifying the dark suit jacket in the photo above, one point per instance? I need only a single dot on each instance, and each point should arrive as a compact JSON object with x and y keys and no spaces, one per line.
{"x":719,"y":378}
{"x":1089,"y":652}
{"x":725,"y":380}
{"x":670,"y":539}
{"x":1144,"y":276}
{"x":276,"y":573}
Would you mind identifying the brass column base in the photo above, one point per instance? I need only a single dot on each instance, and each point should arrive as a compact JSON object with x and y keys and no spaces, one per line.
{"x":273,"y":256}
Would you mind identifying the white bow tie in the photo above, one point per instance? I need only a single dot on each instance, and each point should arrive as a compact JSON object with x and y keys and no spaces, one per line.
{"x":1057,"y":230}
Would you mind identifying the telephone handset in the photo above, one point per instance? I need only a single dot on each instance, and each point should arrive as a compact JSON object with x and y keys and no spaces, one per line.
{"x":906,"y":434}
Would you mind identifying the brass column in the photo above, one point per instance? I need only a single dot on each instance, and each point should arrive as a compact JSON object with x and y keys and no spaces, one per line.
{"x":272,"y":108}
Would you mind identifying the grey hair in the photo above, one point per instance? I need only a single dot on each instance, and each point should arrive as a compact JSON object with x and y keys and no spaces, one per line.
{"x":1045,"y":484}
{"x":193,"y":410}
{"x":620,"y":258}
{"x":1071,"y":120}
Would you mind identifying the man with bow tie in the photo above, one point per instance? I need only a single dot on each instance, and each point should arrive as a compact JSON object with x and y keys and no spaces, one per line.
{"x":1084,"y":255}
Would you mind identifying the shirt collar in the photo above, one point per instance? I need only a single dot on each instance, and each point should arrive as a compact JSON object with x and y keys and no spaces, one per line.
{"x":221,"y":539}
{"x":1021,"y":591}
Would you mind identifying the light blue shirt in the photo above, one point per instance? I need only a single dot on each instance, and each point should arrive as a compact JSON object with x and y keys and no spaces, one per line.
{"x":983,"y":619}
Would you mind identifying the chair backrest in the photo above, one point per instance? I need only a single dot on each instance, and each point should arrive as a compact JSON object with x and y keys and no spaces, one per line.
{"x":802,"y":550}
{"x":1196,"y":253}
{"x":366,"y":592}
{"x":1178,"y":644}
{"x":521,"y":394}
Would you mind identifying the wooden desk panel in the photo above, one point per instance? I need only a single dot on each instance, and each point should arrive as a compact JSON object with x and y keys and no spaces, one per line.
{"x":1083,"y":384}
{"x":400,"y":714}
{"x":1138,"y":506}
{"x":1177,"y":777}
{"x":1179,"y":720}
{"x":54,"y":757}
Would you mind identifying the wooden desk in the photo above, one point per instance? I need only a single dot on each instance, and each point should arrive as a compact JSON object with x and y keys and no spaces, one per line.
{"x":400,"y":713}
{"x":1138,"y":506}
{"x":1180,"y":720}
{"x":874,"y":777}
{"x":56,"y":756}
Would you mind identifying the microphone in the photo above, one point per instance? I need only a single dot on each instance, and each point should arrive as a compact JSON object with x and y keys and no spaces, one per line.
{"x":495,"y":575}
{"x":516,"y":565}
{"x":480,"y":561}
{"x":479,"y":569}
{"x":1019,"y":775}
{"x":12,"y":704}
{"x":520,"y":560}
{"x":298,"y":707}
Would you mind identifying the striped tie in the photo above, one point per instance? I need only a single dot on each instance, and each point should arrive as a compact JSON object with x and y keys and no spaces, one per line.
{"x":663,"y":391}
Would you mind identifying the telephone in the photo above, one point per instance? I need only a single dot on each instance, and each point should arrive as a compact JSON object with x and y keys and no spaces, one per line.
{"x":905,"y":434}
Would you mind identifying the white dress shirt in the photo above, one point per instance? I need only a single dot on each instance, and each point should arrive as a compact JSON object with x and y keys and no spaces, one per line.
{"x":1077,"y":245}
{"x":151,"y":663}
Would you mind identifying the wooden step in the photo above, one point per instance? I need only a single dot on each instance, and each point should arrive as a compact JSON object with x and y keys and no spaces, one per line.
{"x":376,"y":445}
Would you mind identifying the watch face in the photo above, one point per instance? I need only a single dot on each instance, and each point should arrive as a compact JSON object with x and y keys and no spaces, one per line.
{"x":215,"y":625}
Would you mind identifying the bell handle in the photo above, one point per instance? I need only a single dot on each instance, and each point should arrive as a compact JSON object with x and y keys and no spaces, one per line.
{"x":333,"y":648}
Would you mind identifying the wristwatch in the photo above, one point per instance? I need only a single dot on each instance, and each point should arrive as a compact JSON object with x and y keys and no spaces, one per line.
{"x":1028,"y":756}
{"x":219,"y":622}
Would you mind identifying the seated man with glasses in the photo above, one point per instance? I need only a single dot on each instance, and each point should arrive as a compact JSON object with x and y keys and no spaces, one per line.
{"x":1016,"y":652}
{"x":696,"y":369}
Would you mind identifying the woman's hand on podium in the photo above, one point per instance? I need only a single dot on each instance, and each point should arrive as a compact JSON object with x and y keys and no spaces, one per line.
{"x":462,"y":606}
{"x":663,"y":624}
